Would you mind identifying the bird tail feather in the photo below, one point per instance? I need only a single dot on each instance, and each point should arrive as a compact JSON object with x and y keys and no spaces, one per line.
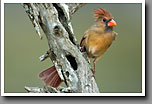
{"x":51,"y":77}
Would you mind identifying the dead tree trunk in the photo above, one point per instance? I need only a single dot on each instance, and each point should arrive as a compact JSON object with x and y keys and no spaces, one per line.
{"x":72,"y":66}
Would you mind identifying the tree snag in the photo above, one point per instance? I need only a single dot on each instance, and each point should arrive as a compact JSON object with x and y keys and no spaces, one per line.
{"x":72,"y":65}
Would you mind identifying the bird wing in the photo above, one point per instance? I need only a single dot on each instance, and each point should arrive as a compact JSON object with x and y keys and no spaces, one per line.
{"x":83,"y":38}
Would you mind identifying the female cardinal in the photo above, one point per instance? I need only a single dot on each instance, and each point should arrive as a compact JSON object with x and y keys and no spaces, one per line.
{"x":95,"y":42}
{"x":99,"y":37}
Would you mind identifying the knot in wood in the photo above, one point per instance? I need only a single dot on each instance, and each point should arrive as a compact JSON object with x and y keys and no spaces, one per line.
{"x":57,"y":31}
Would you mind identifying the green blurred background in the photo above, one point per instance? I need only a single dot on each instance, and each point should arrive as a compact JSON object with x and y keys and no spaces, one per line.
{"x":119,"y":70}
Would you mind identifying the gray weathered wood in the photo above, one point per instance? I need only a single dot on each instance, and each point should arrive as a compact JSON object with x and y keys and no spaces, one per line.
{"x":55,"y":20}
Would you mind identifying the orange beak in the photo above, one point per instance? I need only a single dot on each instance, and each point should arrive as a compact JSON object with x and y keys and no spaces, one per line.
{"x":112,"y":23}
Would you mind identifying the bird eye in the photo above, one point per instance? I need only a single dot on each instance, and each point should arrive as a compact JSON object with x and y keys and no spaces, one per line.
{"x":104,"y":20}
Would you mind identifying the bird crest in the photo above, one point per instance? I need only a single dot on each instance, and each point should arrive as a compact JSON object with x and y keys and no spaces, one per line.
{"x":99,"y":13}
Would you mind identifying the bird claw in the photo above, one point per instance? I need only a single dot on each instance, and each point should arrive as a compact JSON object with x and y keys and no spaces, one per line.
{"x":93,"y":73}
{"x":88,"y":60}
{"x":82,"y":49}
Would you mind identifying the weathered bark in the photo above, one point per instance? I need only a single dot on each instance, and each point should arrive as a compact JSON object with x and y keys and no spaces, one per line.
{"x":71,"y":64}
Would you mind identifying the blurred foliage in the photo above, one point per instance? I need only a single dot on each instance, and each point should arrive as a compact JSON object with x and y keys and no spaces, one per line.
{"x":119,"y":70}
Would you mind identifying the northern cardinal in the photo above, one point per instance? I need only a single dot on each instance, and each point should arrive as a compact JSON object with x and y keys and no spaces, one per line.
{"x":99,"y":37}
{"x":95,"y":42}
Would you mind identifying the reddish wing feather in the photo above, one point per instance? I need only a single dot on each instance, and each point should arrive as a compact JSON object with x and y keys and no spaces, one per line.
{"x":83,"y":38}
{"x":82,"y":41}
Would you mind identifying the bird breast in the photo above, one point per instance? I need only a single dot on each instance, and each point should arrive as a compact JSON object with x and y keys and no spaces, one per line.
{"x":98,"y":43}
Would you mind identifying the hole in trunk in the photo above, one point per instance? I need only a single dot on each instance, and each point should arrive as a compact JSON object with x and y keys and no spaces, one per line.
{"x":67,"y":73}
{"x":72,"y":61}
